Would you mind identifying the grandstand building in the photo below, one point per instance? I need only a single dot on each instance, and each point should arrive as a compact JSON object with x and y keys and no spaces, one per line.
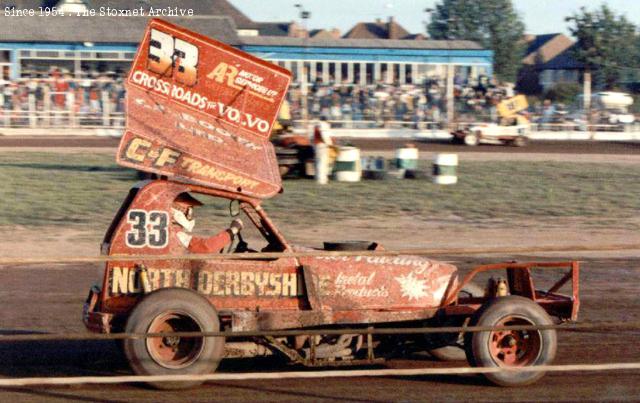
{"x":86,"y":46}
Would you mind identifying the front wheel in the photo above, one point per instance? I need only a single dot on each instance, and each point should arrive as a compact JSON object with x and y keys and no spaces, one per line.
{"x":173,"y":310}
{"x":511,"y":348}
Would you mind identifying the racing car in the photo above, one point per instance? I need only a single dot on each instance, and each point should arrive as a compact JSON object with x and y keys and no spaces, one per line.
{"x":157,"y":282}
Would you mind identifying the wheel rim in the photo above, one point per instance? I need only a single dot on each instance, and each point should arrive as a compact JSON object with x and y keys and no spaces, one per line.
{"x":174,"y":352}
{"x":515,"y":348}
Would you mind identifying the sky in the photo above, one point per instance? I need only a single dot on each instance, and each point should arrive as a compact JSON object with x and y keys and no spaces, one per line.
{"x":539,"y":16}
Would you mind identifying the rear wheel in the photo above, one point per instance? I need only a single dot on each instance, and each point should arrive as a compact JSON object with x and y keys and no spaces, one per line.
{"x":519,"y":141}
{"x":173,"y":310}
{"x":511,"y":348}
{"x":471,"y":139}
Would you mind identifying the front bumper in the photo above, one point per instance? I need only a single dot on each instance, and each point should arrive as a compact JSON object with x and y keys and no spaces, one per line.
{"x":97,"y":322}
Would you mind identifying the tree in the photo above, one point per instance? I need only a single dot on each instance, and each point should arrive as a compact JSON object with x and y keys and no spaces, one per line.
{"x":493,"y":23}
{"x":606,"y":44}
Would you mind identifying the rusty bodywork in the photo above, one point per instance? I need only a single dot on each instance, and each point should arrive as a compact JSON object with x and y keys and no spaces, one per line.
{"x":199,"y":117}
{"x":290,"y":292}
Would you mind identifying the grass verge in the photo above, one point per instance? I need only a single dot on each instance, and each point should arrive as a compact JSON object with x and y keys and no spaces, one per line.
{"x":41,"y":189}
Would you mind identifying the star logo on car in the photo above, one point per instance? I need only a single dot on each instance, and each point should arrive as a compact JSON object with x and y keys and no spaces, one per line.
{"x":412,"y":287}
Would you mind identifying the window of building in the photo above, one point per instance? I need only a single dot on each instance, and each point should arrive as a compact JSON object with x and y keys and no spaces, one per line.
{"x":107,"y":55}
{"x":52,"y":54}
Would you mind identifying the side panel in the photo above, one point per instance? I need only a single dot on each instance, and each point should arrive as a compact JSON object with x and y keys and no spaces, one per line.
{"x":146,"y":228}
{"x":389,"y":283}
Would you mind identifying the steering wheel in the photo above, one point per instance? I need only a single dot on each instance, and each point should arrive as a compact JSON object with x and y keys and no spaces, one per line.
{"x":235,"y":241}
{"x":237,"y":244}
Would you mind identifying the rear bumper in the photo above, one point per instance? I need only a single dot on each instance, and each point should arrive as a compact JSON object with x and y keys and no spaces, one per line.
{"x":521,"y":282}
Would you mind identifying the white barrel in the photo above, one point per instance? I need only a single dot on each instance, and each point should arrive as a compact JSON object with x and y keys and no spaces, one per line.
{"x":407,"y":158}
{"x":347,"y":167}
{"x":444,"y":169}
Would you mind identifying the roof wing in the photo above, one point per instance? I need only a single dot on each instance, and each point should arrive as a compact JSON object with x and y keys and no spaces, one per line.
{"x":200,"y":111}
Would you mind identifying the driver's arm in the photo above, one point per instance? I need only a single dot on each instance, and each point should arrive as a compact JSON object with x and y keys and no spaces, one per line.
{"x":215,"y":243}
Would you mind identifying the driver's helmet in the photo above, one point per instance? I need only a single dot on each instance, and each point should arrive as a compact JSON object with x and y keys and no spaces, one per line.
{"x":182,"y":211}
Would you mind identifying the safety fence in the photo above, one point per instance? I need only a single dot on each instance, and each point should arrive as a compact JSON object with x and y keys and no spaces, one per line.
{"x":107,"y":117}
{"x":320,"y":253}
{"x":620,"y":326}
{"x":280,"y":375}
{"x":433,"y":125}
{"x":17,"y":382}
{"x":583,"y":326}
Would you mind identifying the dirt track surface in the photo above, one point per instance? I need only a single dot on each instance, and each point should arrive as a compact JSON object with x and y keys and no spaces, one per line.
{"x":39,"y":299}
{"x":555,"y":147}
{"x":49,"y":299}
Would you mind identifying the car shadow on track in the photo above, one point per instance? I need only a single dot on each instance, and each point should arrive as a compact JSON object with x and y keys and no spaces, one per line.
{"x":60,"y":358}
{"x":50,"y":395}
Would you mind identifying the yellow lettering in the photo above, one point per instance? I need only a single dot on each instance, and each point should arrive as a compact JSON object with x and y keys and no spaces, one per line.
{"x":289,"y":284}
{"x":167,"y":155}
{"x":132,"y":150}
{"x":218,"y":283}
{"x":120,"y":280}
{"x":183,"y":278}
{"x":223,"y":70}
{"x":232,"y":283}
{"x":205,"y":285}
{"x":275,"y":281}
{"x":154,"y":278}
{"x":262,"y":279}
{"x":166,"y":277}
{"x":247,"y":285}
{"x":134,"y":285}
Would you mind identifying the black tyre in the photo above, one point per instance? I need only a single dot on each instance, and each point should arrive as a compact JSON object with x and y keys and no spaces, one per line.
{"x":173,"y":310}
{"x":450,"y":346}
{"x":512,"y":348}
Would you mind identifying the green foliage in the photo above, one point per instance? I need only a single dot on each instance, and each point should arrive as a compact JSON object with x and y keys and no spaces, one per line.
{"x":606,"y":43}
{"x":565,"y":93}
{"x":493,"y":23}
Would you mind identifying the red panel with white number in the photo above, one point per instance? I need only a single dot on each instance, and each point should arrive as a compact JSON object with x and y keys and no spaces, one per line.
{"x":200,"y":111}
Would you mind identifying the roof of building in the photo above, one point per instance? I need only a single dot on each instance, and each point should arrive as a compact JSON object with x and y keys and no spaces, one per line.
{"x":105,"y":29}
{"x":535,"y":41}
{"x":358,"y":43}
{"x":324,"y":34}
{"x":273,"y":28}
{"x":563,"y":61}
{"x":377,"y":30}
{"x":543,"y":48}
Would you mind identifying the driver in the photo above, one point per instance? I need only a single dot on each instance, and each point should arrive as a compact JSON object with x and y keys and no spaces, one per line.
{"x":182,"y":215}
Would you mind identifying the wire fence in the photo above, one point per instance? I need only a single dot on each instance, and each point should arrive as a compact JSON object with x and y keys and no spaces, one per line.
{"x":16,"y":382}
{"x":318,"y":253}
{"x":583,"y":326}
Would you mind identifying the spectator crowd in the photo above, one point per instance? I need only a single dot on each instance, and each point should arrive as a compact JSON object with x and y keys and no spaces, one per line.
{"x":60,"y":100}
